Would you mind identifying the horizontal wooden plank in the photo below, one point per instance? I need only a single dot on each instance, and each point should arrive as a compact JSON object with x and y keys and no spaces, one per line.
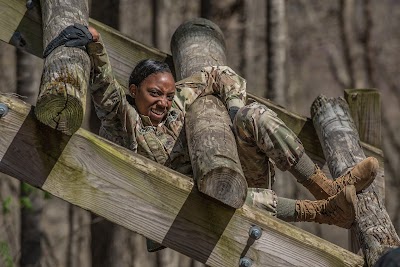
{"x":150,"y":199}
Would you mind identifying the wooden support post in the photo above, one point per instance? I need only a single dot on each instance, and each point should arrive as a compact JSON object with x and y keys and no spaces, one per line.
{"x":212,"y":147}
{"x":341,"y":146}
{"x":365,"y":109}
{"x":62,"y":97}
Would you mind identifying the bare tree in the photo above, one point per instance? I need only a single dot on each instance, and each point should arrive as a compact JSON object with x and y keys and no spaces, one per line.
{"x":9,"y":188}
{"x":276,"y":51}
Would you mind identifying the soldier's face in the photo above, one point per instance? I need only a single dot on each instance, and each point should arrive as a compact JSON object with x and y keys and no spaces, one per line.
{"x":154,"y":96}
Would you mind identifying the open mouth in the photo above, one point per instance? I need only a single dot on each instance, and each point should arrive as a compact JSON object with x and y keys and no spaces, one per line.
{"x":158,"y":112}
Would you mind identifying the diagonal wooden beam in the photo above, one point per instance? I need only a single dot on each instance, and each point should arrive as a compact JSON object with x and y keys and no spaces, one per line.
{"x":150,"y":199}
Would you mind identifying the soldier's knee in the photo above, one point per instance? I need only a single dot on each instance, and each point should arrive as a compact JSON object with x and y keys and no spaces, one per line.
{"x":253,"y":112}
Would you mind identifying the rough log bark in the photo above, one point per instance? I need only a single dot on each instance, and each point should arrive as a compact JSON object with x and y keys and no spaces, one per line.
{"x":212,"y":147}
{"x":341,"y":145}
{"x":196,"y":44}
{"x":62,"y":98}
{"x":213,"y":152}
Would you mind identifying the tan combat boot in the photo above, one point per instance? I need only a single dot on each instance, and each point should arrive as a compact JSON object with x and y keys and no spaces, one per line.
{"x":361,"y":176}
{"x":339,"y":210}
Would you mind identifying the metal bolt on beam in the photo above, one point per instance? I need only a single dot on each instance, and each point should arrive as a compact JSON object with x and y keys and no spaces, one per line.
{"x":29,"y":4}
{"x":3,"y":109}
{"x":255,"y":232}
{"x":245,"y":262}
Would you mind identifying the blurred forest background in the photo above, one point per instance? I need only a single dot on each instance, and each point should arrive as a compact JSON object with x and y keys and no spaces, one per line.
{"x":289,"y":52}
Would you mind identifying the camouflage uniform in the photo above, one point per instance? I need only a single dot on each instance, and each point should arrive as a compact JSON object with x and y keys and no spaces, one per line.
{"x":260,"y":133}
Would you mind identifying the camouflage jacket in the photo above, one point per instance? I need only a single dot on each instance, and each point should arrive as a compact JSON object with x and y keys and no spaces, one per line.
{"x":165,"y":143}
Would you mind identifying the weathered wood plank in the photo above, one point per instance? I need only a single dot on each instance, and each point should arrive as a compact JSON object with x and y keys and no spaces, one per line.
{"x":365,"y":109}
{"x":125,"y":53}
{"x":152,"y":200}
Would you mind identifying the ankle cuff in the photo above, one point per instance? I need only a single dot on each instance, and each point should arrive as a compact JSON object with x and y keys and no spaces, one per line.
{"x":304,"y":169}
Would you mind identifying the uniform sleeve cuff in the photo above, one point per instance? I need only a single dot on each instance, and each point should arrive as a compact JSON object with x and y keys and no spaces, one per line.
{"x":235,"y":103}
{"x":95,"y":48}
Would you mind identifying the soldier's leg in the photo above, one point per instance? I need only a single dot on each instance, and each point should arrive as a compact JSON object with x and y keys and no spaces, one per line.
{"x":255,"y":125}
{"x":339,"y":210}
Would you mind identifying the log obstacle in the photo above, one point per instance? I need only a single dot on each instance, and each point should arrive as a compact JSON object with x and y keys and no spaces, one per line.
{"x":62,"y":96}
{"x":196,"y":44}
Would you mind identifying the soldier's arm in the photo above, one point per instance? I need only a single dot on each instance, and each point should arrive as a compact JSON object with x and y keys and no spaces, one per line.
{"x":221,"y":81}
{"x":107,"y":94}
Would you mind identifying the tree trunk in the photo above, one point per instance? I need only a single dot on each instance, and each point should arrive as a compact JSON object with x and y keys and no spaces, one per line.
{"x":31,"y":231}
{"x":31,"y":198}
{"x":9,"y":188}
{"x":355,"y":42}
{"x":62,"y":98}
{"x":212,"y":147}
{"x":254,"y":28}
{"x":342,"y":150}
{"x":229,"y":16}
{"x":276,"y":51}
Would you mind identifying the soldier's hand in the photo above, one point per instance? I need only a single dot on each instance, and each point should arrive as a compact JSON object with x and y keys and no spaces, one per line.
{"x":76,"y":35}
{"x":94,"y":33}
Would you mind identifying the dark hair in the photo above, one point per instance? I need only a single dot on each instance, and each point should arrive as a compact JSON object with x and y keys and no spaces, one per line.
{"x":145,"y":68}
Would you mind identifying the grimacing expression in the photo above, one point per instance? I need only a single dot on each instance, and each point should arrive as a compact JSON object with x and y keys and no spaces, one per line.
{"x":154,"y":96}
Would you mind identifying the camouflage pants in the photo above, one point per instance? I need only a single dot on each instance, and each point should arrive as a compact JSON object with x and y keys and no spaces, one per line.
{"x":261,"y":136}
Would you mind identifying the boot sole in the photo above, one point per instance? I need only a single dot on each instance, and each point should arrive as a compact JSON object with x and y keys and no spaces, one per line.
{"x":372,"y":176}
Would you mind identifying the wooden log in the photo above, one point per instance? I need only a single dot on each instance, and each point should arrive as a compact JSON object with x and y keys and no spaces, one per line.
{"x":62,"y":97}
{"x":340,"y":142}
{"x":150,"y":199}
{"x":213,"y":152}
{"x":196,"y":44}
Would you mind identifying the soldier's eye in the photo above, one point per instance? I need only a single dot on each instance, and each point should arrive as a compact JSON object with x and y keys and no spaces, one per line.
{"x":154,"y":93}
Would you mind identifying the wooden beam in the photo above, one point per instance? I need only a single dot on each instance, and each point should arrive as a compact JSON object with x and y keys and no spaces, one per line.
{"x":25,"y":25}
{"x":150,"y":199}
